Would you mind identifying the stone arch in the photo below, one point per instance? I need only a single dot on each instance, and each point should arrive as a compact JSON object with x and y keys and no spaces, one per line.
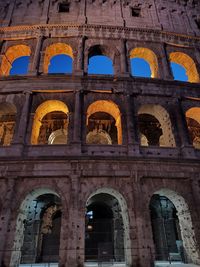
{"x":22,"y":216}
{"x":111,"y":108}
{"x":104,"y":51}
{"x":8,"y":114}
{"x":167,"y":137}
{"x":193,"y":123}
{"x":124,"y":212}
{"x":185,"y":222}
{"x":148,"y":55}
{"x":56,"y":49}
{"x":45,"y":108}
{"x":188,"y":63}
{"x":11,"y":55}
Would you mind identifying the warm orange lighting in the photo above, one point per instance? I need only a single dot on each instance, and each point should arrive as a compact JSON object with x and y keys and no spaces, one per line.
{"x":11,"y":55}
{"x":188,"y":63}
{"x":45,"y":108}
{"x":56,"y":49}
{"x":110,"y":108}
{"x":149,"y":56}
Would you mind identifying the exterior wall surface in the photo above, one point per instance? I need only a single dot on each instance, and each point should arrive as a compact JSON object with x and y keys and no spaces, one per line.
{"x":130,"y":172}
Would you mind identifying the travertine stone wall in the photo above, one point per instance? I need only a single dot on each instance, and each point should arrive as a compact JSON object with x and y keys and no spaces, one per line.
{"x":76,"y":171}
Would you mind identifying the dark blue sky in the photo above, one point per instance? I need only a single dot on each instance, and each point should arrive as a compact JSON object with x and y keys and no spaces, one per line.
{"x":97,"y":65}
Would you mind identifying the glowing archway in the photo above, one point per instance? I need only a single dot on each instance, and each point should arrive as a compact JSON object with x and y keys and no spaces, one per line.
{"x":8,"y":113}
{"x":54,"y":50}
{"x":110,"y":108}
{"x":11,"y":55}
{"x":167,"y":137}
{"x":149,"y":56}
{"x":188,"y":63}
{"x":45,"y":108}
{"x":193,"y":123}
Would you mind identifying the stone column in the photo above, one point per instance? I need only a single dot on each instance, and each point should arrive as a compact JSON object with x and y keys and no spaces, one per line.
{"x":4,"y":223}
{"x":77,"y":118}
{"x":132,"y":143}
{"x":44,"y":17}
{"x":7,"y":20}
{"x":180,"y":125}
{"x":41,"y":62}
{"x":79,"y":64}
{"x":197,"y":57}
{"x":36,"y":58}
{"x":75,"y":251}
{"x":123,"y":58}
{"x":19,"y":137}
{"x":165,"y":71}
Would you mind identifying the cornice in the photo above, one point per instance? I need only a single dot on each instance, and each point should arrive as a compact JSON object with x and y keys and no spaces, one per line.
{"x":28,"y":31}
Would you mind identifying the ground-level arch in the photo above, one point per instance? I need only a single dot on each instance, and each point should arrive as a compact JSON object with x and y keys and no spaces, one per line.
{"x":190,"y":247}
{"x":108,"y":194}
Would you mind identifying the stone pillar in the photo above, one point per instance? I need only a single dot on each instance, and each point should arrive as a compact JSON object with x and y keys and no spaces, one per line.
{"x":145,"y":247}
{"x":41,"y":62}
{"x":182,"y":136}
{"x":165,"y":71}
{"x":75,"y":251}
{"x":197,"y":57}
{"x":4,"y":223}
{"x":19,"y":137}
{"x":77,"y":118}
{"x":79,"y":64}
{"x":36,"y":58}
{"x":123,"y":58}
{"x":44,"y":17}
{"x":132,"y":144}
{"x":6,"y":22}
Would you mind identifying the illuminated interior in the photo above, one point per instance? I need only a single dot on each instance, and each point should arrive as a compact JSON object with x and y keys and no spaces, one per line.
{"x":193,"y":123}
{"x":50,"y":125}
{"x":104,"y":123}
{"x":7,"y":123}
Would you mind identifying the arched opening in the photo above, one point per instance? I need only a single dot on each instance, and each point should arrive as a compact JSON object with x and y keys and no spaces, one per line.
{"x":187,"y":63}
{"x":37,"y":236}
{"x":144,"y":62}
{"x":193,"y":123}
{"x":107,"y":228}
{"x":99,"y":62}
{"x":50,"y":125}
{"x":179,"y":72}
{"x":172,"y":228}
{"x":104,"y":123}
{"x":155,"y":126}
{"x":140,"y":68}
{"x":7,"y":123}
{"x":60,"y":64}
{"x":20,"y":66}
{"x":56,"y":52}
{"x":13,"y":59}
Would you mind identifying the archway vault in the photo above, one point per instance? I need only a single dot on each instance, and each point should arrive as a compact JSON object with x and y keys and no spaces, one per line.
{"x":124,"y":213}
{"x":56,"y":49}
{"x":186,"y":225}
{"x":163,"y":117}
{"x":45,"y":108}
{"x":188,"y":63}
{"x":11,"y":54}
{"x":148,"y":55}
{"x":110,"y":108}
